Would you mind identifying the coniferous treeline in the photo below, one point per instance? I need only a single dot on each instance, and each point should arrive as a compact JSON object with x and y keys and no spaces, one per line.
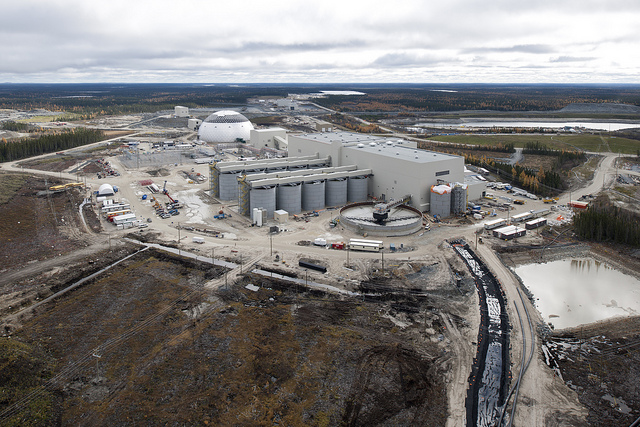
{"x":14,"y":126}
{"x":543,"y":182}
{"x":604,"y":222}
{"x":28,"y":147}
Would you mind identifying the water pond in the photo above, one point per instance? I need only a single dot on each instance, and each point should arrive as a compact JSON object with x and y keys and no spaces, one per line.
{"x":577,"y":291}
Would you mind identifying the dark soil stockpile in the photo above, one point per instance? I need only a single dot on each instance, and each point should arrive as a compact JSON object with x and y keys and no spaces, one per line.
{"x":172,"y":355}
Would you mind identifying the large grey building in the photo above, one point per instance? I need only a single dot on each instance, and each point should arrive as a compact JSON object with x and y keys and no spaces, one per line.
{"x":399,"y":168}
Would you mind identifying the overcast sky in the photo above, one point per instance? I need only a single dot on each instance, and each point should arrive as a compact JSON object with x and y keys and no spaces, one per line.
{"x":224,"y":41}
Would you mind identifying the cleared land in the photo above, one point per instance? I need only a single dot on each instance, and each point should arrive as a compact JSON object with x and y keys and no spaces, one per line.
{"x":283,"y":354}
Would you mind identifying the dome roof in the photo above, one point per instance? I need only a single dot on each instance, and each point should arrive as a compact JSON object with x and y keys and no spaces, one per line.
{"x":105,"y":190}
{"x":225,"y":126}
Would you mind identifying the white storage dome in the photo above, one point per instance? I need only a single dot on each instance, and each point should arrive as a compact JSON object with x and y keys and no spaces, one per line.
{"x":225,"y":126}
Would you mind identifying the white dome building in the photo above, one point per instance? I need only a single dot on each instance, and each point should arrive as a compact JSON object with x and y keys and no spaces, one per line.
{"x":225,"y":126}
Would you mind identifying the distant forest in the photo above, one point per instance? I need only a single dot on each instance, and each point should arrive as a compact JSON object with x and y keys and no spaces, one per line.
{"x":28,"y":147}
{"x":90,"y":100}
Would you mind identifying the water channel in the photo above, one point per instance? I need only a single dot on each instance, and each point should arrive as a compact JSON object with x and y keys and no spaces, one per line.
{"x":577,"y":291}
{"x":605,"y":126}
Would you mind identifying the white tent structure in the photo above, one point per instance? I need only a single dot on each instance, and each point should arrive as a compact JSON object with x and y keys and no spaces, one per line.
{"x":106,"y":190}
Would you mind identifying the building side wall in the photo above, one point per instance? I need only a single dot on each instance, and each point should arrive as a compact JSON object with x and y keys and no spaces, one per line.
{"x":266,"y":137}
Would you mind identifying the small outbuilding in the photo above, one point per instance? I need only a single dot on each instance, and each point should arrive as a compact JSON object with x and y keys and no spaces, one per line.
{"x":281,"y":216}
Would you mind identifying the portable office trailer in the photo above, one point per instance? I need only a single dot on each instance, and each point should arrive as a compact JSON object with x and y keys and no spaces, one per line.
{"x":535,"y":223}
{"x":490,"y":225}
{"x":522,"y":217}
{"x":367,"y":247}
{"x":509,"y":232}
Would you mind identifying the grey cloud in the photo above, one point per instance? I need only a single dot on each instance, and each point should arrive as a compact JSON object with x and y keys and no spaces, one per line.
{"x":522,"y":48}
{"x":403,"y":60}
{"x":572,"y":59}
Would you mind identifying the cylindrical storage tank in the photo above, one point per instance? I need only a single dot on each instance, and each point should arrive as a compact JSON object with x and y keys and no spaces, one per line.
{"x":254,"y":215}
{"x":263,"y":197}
{"x":228,"y":183}
{"x":335,"y":192}
{"x":357,"y":189}
{"x":289,"y":197}
{"x":258,"y":217}
{"x":440,"y":203}
{"x":312,"y":195}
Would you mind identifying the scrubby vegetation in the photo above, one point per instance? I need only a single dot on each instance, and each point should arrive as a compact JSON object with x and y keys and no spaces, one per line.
{"x":605,"y":222}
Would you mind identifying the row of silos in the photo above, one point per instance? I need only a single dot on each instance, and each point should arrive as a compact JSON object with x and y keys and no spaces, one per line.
{"x":295,"y":197}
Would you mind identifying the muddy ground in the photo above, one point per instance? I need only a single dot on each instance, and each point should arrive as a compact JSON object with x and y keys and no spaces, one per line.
{"x":173,"y":354}
{"x":37,"y":227}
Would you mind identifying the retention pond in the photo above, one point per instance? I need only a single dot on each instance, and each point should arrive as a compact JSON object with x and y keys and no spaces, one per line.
{"x":577,"y":291}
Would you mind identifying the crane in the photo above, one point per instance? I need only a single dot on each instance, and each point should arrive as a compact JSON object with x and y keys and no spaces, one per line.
{"x":164,"y":190}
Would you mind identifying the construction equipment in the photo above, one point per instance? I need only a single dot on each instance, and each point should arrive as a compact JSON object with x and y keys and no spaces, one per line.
{"x":381,"y":210}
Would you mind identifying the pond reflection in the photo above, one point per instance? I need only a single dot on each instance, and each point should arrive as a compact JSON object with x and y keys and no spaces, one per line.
{"x":577,"y":291}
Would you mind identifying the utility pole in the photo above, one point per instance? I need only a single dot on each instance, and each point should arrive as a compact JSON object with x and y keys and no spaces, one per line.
{"x":382,"y":253}
{"x":213,"y":253}
{"x":348,"y":265}
{"x":271,"y":244}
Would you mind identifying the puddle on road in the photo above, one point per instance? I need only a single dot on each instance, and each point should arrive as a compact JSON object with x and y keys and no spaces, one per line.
{"x":572,"y":292}
{"x":194,"y":208}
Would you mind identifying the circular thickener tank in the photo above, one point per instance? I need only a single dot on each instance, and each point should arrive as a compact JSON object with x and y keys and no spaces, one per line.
{"x":336,"y":192}
{"x":228,"y":183}
{"x":289,"y":197}
{"x":313,"y":195}
{"x":402,"y":220}
{"x":357,"y":189}
{"x":263,"y":197}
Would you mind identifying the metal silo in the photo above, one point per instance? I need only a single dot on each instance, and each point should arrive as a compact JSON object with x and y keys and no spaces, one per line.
{"x":357,"y":189}
{"x":440,"y":203}
{"x":336,"y":192}
{"x":289,"y":197}
{"x":263,"y":197}
{"x":313,"y":195}
{"x":228,"y":183}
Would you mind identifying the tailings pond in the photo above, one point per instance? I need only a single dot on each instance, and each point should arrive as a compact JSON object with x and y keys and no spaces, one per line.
{"x":577,"y":291}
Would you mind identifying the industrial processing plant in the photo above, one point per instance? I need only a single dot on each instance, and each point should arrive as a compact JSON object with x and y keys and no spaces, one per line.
{"x":331,"y":169}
